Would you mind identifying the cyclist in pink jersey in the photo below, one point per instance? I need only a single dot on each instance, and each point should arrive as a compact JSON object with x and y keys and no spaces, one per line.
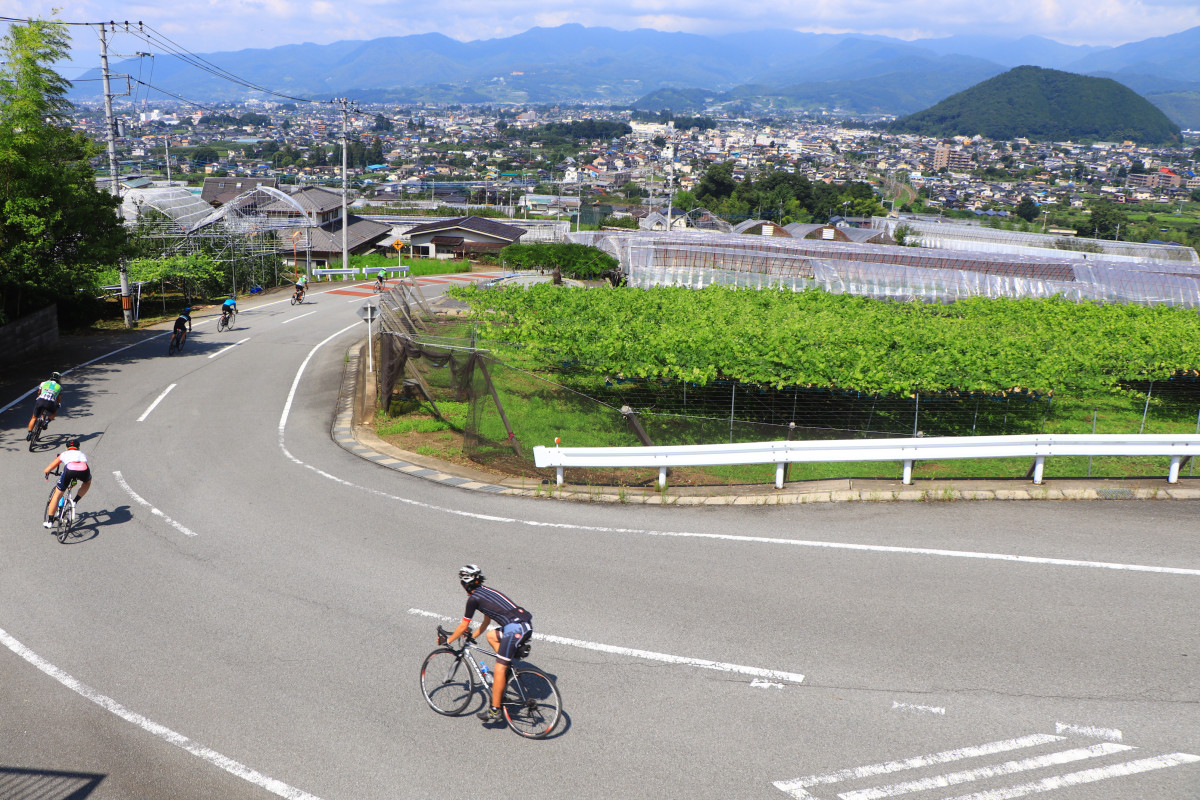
{"x":74,"y":468}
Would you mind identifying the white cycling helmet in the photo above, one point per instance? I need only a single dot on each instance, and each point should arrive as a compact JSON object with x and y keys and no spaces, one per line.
{"x":470,"y":576}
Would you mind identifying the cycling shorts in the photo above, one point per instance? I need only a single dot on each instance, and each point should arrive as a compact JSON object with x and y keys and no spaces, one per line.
{"x":42,"y":402}
{"x":512,"y":636}
{"x":82,"y":475}
{"x":180,"y":326}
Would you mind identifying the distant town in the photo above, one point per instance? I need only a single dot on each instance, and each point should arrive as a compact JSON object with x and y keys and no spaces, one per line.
{"x":533,"y":161}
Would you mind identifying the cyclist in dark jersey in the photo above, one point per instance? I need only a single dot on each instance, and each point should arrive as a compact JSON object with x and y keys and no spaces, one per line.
{"x":514,"y":623}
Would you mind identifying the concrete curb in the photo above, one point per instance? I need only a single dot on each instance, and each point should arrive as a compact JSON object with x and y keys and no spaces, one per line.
{"x":351,"y":433}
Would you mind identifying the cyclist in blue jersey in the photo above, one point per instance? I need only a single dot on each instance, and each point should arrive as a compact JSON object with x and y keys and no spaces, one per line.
{"x":49,"y":393}
{"x":229,"y":307}
{"x":515,"y":626}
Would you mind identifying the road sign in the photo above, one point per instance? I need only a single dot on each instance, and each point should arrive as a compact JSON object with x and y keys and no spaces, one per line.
{"x":368,"y":312}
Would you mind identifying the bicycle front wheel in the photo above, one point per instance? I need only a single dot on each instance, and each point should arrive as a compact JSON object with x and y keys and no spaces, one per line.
{"x":447,"y":682}
{"x":38,"y":427}
{"x":531,"y":703}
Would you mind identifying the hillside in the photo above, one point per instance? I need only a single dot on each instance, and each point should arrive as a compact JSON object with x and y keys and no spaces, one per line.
{"x":1045,"y":105}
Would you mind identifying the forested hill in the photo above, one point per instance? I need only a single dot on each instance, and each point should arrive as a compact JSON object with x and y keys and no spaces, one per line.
{"x":1045,"y":105}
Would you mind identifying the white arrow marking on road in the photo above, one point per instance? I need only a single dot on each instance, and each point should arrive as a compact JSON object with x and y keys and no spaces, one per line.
{"x":158,"y":400}
{"x":796,"y":788}
{"x":1055,"y":782}
{"x":966,"y":776}
{"x":647,"y":654}
{"x":235,"y":768}
{"x":230,"y":347}
{"x":143,"y":502}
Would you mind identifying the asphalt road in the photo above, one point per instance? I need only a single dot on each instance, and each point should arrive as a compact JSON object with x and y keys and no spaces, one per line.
{"x":247,"y":606}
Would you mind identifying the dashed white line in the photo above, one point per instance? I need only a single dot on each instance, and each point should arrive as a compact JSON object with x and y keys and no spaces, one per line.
{"x":157,"y":400}
{"x":231,"y":766}
{"x":293,"y":319}
{"x":1110,"y":734}
{"x":648,"y":655}
{"x":920,"y":709}
{"x":228,"y":348}
{"x":143,"y":502}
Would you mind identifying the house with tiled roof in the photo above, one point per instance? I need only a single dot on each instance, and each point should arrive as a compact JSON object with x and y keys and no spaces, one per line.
{"x":462,"y":237}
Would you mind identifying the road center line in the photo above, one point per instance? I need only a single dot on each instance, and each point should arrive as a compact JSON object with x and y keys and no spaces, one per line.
{"x":866,"y":548}
{"x":235,"y":768}
{"x":684,"y":661}
{"x":143,"y":502}
{"x":230,"y":347}
{"x":158,"y":400}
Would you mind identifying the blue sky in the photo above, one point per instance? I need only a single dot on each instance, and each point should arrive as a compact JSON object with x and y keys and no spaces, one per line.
{"x":208,"y":26}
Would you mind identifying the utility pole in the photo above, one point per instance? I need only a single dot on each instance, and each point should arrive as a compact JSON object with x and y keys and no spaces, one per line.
{"x":345,"y":184}
{"x":110,"y":127}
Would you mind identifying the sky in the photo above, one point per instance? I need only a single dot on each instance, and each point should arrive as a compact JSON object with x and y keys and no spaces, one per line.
{"x":210,"y":26}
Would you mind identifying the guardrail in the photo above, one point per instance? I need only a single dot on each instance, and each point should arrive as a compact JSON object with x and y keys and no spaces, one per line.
{"x":1039,"y":447}
{"x":337,"y":271}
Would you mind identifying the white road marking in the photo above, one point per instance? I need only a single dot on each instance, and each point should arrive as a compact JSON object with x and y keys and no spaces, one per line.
{"x":1055,"y":782}
{"x":293,"y":319}
{"x":231,"y":766}
{"x":759,"y":683}
{"x":923,"y":709}
{"x":158,"y":400}
{"x":228,"y":348}
{"x":796,"y":788}
{"x":1110,"y":734}
{"x":991,"y":771}
{"x":867,"y":548}
{"x":141,"y":501}
{"x":647,"y":654}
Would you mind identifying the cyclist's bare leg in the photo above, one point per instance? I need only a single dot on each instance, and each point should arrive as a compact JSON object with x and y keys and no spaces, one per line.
{"x":83,"y":489}
{"x":500,"y":672}
{"x":54,"y":498}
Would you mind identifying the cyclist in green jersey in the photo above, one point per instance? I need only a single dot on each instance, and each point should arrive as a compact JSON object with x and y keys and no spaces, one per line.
{"x":49,"y":393}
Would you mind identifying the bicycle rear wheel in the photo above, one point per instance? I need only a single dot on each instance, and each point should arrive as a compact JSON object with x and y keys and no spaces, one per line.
{"x":447,"y":682}
{"x":39,"y":425}
{"x":174,"y":345}
{"x":531,"y":703}
{"x":223,"y":323}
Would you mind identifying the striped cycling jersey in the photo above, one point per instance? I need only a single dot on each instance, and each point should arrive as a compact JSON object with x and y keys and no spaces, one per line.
{"x":496,"y":606}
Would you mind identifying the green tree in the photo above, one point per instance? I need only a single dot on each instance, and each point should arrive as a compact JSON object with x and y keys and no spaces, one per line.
{"x":57,"y":229}
{"x":206,"y":155}
{"x":1105,"y":221}
{"x":1027,"y":209}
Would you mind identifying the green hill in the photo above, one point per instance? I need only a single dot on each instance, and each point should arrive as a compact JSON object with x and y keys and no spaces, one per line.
{"x":1045,"y":105}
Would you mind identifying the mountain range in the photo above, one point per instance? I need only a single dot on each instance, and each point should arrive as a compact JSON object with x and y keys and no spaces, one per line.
{"x":681,"y":72}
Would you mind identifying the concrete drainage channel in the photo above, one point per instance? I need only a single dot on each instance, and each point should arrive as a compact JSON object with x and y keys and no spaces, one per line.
{"x":355,"y":405}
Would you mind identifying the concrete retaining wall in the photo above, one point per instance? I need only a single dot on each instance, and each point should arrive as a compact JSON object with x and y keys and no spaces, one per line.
{"x":29,"y":334}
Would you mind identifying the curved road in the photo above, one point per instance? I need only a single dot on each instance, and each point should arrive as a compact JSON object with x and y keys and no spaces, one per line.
{"x":247,"y":608}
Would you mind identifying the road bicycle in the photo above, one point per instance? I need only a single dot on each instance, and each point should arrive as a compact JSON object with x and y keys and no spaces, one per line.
{"x":65,"y":514}
{"x":380,"y":285}
{"x":177,"y":340}
{"x":39,"y":425}
{"x":451,"y":675}
{"x":226,"y":321}
{"x":298,"y":295}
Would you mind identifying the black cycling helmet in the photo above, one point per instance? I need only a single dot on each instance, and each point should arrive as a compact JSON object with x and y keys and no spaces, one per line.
{"x":72,"y":444}
{"x":55,"y":376}
{"x":470,"y":576}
